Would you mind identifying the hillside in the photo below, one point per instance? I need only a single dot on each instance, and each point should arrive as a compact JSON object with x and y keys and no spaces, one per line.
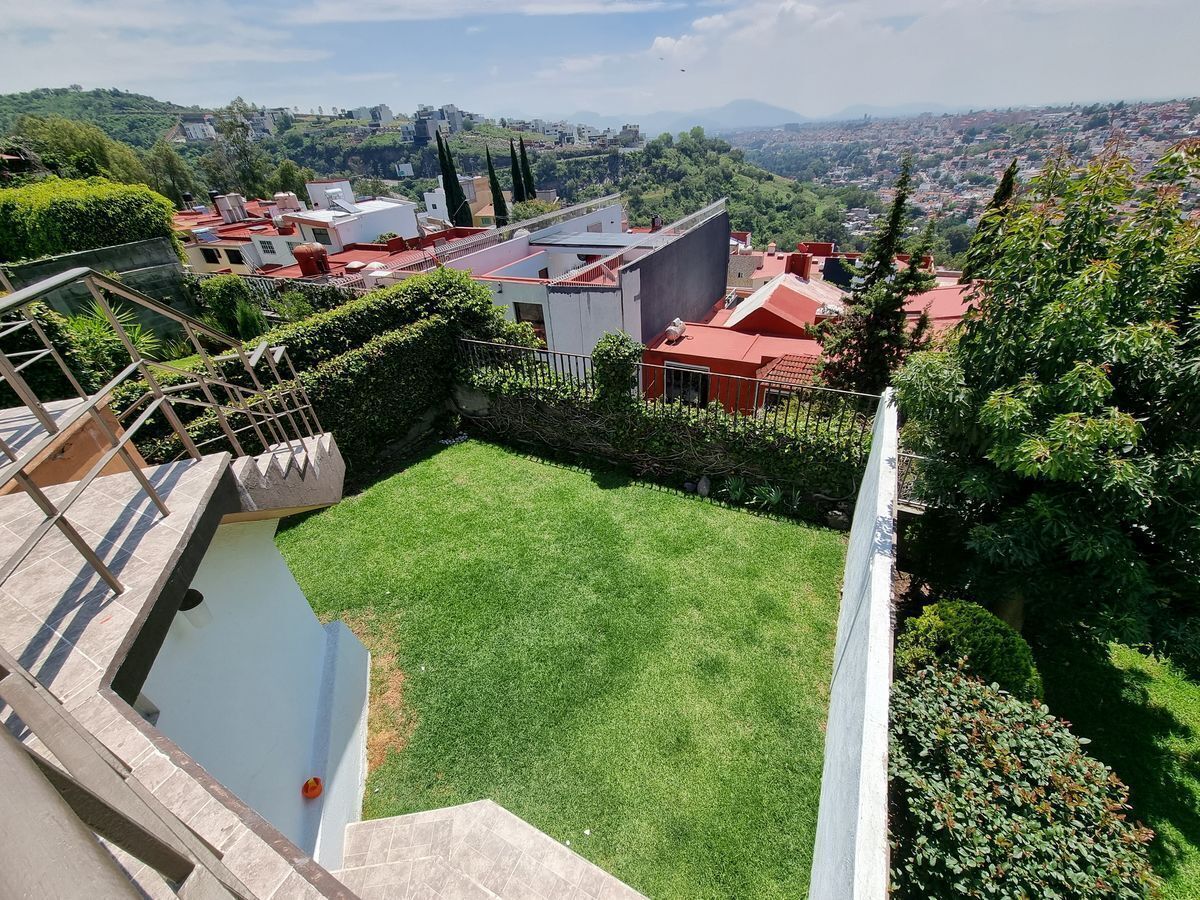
{"x":133,"y":118}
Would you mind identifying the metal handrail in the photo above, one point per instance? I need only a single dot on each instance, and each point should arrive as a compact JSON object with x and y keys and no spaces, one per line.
{"x":279,"y":411}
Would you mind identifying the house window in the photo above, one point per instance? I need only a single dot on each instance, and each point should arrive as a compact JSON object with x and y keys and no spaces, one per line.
{"x":267,"y":248}
{"x":535,"y":315}
{"x":210,"y":254}
{"x":543,"y":273}
{"x":321,"y":236}
{"x":235,"y":257}
{"x":687,"y":384}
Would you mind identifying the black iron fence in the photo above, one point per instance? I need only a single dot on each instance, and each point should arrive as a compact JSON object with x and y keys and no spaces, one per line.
{"x":798,"y":411}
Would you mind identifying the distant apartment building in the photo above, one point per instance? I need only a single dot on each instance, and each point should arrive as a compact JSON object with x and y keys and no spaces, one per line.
{"x":199,"y":129}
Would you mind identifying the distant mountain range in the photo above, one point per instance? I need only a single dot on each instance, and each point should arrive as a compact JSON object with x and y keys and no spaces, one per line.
{"x":740,"y":114}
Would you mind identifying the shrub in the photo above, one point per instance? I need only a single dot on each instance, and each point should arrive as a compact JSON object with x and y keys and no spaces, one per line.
{"x":951,"y":630}
{"x":615,"y":368}
{"x":98,"y":351}
{"x":993,"y":797}
{"x":251,"y":322}
{"x":55,"y":216}
{"x":369,"y":397}
{"x":44,"y":377}
{"x":220,"y":297}
{"x":292,"y":306}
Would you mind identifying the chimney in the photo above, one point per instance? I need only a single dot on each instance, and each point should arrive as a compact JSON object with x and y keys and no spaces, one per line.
{"x":656,"y":223}
{"x":188,"y":199}
{"x":800,"y":265}
{"x":927,"y":262}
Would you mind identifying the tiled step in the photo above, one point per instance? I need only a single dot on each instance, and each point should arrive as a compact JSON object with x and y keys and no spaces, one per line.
{"x":476,"y":851}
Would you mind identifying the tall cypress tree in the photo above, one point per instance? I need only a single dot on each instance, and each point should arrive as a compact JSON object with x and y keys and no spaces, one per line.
{"x":457,"y":208}
{"x":871,"y":340}
{"x":527,"y":175}
{"x":982,"y":248}
{"x":498,"y":203}
{"x":517,"y":179}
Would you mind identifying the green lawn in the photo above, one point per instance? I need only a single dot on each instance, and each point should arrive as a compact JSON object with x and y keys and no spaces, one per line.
{"x":596,"y":655}
{"x":1143,"y":717}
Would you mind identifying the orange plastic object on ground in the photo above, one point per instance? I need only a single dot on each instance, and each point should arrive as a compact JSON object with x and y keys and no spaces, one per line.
{"x":312,"y":788}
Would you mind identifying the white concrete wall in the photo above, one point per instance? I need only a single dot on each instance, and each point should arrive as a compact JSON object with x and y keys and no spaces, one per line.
{"x":523,"y":268}
{"x":490,"y":258}
{"x":850,"y":857}
{"x":580,"y":317}
{"x":249,"y":694}
{"x":609,"y":218}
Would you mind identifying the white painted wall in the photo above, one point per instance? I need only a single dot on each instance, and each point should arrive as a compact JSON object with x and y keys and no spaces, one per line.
{"x":850,"y":857}
{"x":579,"y":318}
{"x":248,"y":695}
{"x":493,"y":257}
{"x":524,"y":268}
{"x":609,"y":218}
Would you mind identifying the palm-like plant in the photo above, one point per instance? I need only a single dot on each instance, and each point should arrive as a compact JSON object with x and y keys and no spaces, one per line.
{"x":98,"y":348}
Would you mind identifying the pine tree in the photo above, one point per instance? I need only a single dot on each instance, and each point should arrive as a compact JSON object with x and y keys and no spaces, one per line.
{"x":983,"y":247}
{"x":527,"y":175}
{"x":517,"y":180}
{"x":498,"y":203}
{"x":872,"y":339}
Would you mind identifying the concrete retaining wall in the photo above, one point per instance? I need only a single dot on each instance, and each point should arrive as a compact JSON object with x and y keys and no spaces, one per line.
{"x":151,"y":266}
{"x":850,"y":857}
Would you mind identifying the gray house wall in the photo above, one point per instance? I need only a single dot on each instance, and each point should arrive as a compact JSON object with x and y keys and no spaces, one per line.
{"x":684,"y":278}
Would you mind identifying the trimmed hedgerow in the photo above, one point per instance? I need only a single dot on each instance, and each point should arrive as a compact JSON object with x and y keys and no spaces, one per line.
{"x":993,"y":797}
{"x":371,"y":397}
{"x":464,"y":305}
{"x":55,"y":216}
{"x":805,"y":472}
{"x":950,"y":630}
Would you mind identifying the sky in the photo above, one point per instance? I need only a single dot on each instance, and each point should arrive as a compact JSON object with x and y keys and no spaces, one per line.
{"x":612,"y":57}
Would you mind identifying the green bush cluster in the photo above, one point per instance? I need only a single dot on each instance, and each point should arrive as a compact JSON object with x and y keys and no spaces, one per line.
{"x":950,"y":630}
{"x":758,"y":464}
{"x":372,"y":366}
{"x":993,"y":797}
{"x":55,"y":216}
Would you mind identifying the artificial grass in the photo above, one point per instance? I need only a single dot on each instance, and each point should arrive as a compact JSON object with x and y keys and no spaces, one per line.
{"x":1142,"y":715}
{"x":594,"y":654}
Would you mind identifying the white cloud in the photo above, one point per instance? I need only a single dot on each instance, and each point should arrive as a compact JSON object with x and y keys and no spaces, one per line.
{"x":425,"y":10}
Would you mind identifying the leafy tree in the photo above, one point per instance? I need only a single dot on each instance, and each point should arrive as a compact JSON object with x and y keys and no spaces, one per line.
{"x":990,"y":223}
{"x":527,"y":175}
{"x":1063,"y":427}
{"x":170,"y":173}
{"x":236,"y":163}
{"x":79,"y":150}
{"x":871,"y":341}
{"x":289,"y":177}
{"x":531,"y":209}
{"x":518,"y":179}
{"x":372,"y":187}
{"x":499,"y":205}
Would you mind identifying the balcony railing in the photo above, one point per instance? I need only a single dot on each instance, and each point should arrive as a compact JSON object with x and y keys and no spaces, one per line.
{"x":254,"y":396}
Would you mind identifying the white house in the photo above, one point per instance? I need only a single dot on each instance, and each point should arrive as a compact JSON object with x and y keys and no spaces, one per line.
{"x":337,"y":218}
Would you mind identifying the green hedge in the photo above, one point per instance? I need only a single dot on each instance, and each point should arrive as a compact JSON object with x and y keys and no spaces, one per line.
{"x":56,"y":216}
{"x":993,"y":797}
{"x":950,"y":630}
{"x":369,"y":398}
{"x":464,"y":304}
{"x":749,"y":461}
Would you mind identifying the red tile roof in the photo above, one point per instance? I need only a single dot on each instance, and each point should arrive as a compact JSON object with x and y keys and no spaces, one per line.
{"x":945,"y":304}
{"x":791,"y":369}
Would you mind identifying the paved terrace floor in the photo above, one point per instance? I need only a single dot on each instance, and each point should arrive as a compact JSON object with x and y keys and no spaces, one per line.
{"x":65,"y":625}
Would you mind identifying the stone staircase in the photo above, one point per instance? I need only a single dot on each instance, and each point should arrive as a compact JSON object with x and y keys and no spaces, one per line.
{"x":288,"y":479}
{"x":476,"y":851}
